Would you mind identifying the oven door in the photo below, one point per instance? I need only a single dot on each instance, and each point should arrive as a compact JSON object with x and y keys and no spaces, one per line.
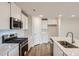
{"x":24,"y":49}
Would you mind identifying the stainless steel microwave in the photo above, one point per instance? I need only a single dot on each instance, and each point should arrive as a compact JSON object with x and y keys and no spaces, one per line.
{"x":15,"y":23}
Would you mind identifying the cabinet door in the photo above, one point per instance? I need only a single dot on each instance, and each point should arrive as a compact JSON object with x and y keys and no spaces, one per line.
{"x":57,"y":51}
{"x":4,"y":54}
{"x":15,"y":11}
{"x":14,"y":52}
{"x":64,"y":54}
{"x":25,"y":21}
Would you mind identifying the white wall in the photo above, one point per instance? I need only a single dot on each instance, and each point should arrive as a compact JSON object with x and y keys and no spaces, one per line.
{"x":52,"y":21}
{"x":44,"y":31}
{"x":4,"y":15}
{"x":36,"y":30}
{"x":52,"y":27}
{"x":30,"y":41}
{"x":69,"y":25}
{"x":52,"y":31}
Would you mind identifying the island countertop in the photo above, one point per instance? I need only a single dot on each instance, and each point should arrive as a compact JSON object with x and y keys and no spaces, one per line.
{"x":67,"y":51}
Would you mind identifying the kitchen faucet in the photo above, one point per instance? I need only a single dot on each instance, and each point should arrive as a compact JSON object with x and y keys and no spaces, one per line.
{"x":72,"y":36}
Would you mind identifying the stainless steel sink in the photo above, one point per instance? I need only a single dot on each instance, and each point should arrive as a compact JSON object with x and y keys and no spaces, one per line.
{"x":66,"y":44}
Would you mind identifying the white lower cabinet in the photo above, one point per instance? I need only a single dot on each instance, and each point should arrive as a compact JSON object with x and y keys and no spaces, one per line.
{"x":57,"y":51}
{"x":64,"y":54}
{"x":3,"y":54}
{"x":14,"y":52}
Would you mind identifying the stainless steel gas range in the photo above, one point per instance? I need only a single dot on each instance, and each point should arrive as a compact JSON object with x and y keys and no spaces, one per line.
{"x":23,"y":43}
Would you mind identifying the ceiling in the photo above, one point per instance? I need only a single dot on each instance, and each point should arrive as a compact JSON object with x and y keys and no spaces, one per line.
{"x":50,"y":9}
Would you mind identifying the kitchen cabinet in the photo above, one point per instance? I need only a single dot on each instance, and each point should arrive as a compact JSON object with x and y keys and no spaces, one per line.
{"x":57,"y":51}
{"x":51,"y":45}
{"x":0,"y":40}
{"x":24,"y":31}
{"x":25,"y":21}
{"x":14,"y":52}
{"x":15,"y":11}
{"x":3,"y":54}
{"x":64,"y":54}
{"x":9,"y":50}
{"x":4,"y":15}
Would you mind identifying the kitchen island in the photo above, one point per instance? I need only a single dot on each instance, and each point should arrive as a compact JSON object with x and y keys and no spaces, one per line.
{"x":59,"y":50}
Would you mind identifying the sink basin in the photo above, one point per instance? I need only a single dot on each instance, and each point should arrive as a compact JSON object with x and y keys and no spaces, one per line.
{"x":67,"y":44}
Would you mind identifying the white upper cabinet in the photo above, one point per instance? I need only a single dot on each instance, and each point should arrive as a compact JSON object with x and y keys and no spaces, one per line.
{"x":4,"y":15}
{"x":25,"y":21}
{"x":15,"y":11}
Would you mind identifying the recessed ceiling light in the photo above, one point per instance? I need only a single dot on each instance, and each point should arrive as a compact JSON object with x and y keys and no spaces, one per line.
{"x":60,"y":15}
{"x":41,"y":15}
{"x":16,"y":19}
{"x":73,"y":15}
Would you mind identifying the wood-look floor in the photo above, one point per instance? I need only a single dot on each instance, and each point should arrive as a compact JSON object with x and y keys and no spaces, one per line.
{"x":44,"y":49}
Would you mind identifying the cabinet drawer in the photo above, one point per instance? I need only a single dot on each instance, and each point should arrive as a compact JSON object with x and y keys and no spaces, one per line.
{"x":14,"y":52}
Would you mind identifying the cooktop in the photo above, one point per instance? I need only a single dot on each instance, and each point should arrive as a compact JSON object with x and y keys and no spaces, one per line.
{"x":16,"y":40}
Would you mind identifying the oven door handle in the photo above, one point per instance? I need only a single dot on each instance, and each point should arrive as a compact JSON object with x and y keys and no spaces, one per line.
{"x":26,"y":43}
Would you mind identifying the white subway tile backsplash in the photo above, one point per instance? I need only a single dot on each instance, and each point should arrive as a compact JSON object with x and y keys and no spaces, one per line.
{"x":4,"y":32}
{"x":0,"y":40}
